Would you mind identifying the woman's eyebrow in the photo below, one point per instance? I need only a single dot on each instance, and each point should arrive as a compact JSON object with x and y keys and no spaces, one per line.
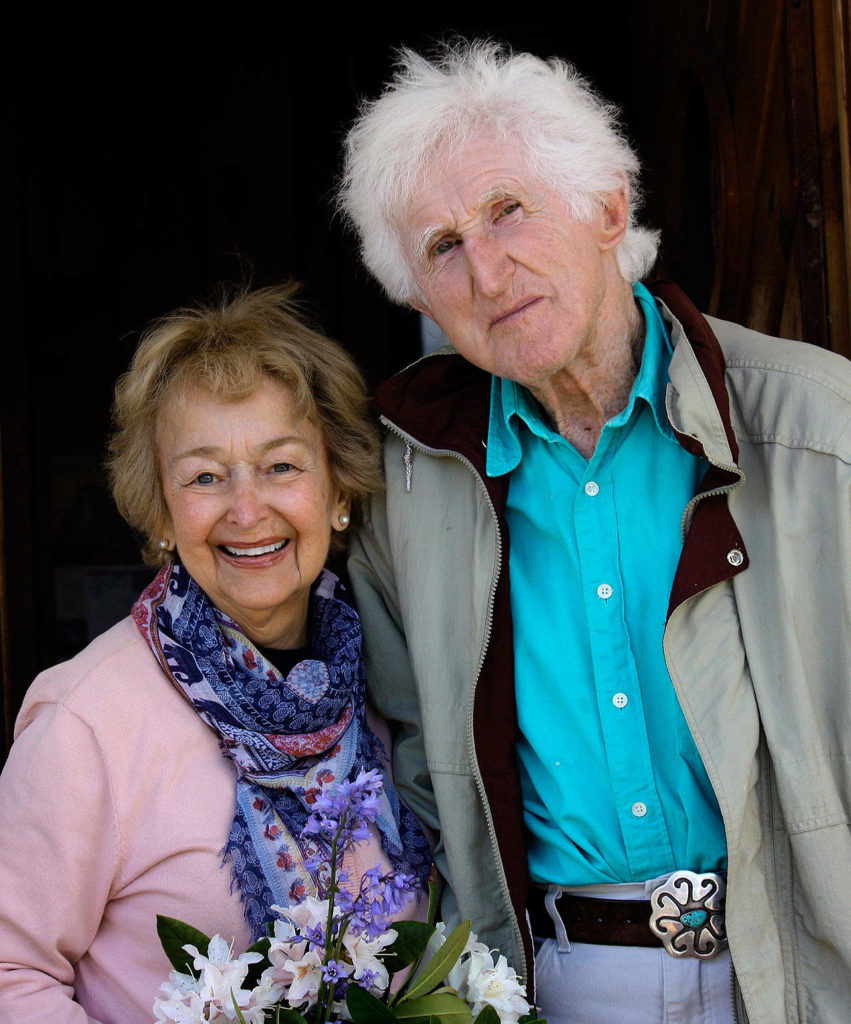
{"x":209,"y":451}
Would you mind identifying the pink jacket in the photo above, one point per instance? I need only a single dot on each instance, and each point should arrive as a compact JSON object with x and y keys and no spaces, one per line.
{"x":115,"y":804}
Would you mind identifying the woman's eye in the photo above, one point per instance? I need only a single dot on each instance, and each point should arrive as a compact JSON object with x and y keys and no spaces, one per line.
{"x":205,"y":478}
{"x":282,"y":467}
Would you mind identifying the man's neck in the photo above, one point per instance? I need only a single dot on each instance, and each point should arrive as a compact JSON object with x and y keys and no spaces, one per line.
{"x":584,"y":397}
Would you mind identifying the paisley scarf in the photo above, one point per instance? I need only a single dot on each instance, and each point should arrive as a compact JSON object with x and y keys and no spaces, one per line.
{"x":286,"y":737}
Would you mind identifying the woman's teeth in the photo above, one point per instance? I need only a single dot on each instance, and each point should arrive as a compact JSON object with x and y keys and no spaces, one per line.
{"x":265,"y":549}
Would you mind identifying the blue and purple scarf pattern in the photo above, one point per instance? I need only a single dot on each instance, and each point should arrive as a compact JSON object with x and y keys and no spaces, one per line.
{"x":286,"y":737}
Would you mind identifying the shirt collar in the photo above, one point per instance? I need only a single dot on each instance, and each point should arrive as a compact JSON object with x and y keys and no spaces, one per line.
{"x":511,"y":403}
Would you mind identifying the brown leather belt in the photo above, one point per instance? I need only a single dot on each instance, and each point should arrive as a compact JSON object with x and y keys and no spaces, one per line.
{"x":598,"y":921}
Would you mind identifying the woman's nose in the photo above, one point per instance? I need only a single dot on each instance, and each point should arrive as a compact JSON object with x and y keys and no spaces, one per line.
{"x":247,"y":504}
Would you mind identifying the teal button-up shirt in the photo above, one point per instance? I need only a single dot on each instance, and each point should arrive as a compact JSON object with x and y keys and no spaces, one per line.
{"x":614,"y":789}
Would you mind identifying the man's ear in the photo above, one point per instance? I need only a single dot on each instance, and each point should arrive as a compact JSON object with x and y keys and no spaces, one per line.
{"x":615,"y":219}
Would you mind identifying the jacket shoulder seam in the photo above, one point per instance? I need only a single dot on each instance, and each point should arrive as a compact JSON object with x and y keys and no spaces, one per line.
{"x":792,"y":369}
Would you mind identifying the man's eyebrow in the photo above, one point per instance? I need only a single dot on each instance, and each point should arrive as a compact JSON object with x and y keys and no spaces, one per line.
{"x":424,"y":242}
{"x":505,"y":189}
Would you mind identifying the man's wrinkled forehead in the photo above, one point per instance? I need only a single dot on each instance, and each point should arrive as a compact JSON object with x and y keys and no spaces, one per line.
{"x":458,"y":181}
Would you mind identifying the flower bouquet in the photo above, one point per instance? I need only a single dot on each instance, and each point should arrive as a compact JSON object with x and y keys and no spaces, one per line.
{"x":335,"y":958}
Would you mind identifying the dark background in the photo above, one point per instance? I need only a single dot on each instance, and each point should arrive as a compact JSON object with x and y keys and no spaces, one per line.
{"x":144,"y":173}
{"x":147,"y":161}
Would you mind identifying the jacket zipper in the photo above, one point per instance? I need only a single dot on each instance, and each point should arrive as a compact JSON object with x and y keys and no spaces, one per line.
{"x":688,"y":512}
{"x":412,"y":444}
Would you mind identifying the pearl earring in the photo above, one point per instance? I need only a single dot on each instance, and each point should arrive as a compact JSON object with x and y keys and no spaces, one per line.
{"x":163,"y":545}
{"x":344,"y":521}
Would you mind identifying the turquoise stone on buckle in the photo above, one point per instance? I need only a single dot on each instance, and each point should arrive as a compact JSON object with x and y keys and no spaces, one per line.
{"x":687,"y":914}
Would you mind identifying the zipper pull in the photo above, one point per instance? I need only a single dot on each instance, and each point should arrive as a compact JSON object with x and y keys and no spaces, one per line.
{"x":408,"y":459}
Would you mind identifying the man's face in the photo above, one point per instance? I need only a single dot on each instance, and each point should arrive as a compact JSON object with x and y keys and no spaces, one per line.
{"x":521,"y":288}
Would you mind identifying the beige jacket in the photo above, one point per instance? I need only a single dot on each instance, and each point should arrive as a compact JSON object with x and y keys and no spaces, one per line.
{"x":758,"y":645}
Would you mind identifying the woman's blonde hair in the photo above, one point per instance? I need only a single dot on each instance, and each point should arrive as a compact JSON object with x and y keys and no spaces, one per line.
{"x":227,"y":348}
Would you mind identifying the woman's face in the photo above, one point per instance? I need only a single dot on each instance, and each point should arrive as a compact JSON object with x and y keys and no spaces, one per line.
{"x":251,"y":505}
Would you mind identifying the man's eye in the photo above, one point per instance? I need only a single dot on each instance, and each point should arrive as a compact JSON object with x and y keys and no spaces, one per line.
{"x":282,"y":467}
{"x":445,"y":246}
{"x":508,"y":209}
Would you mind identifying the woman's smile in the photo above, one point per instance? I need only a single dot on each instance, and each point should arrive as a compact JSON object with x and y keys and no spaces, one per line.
{"x":254,"y":551}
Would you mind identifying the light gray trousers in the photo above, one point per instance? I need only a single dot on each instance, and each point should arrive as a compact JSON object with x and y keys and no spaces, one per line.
{"x":590,"y":984}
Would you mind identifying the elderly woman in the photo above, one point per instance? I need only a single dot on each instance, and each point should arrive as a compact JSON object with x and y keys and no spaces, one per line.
{"x":242,"y":448}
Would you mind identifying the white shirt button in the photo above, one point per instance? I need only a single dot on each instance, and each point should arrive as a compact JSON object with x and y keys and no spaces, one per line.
{"x":639,"y":809}
{"x":605,"y":591}
{"x":620,"y":700}
{"x":735,"y":557}
{"x":592,"y":489}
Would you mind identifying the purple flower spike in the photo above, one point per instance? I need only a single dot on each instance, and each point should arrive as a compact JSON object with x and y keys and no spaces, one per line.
{"x":335,"y":970}
{"x":371,"y":881}
{"x":345,"y":810}
{"x":367,"y":978}
{"x":344,"y":902}
{"x":370,"y":807}
{"x":316,"y":935}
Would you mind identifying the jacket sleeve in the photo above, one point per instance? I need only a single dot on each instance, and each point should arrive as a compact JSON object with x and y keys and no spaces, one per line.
{"x":59,"y":850}
{"x":391,"y":683}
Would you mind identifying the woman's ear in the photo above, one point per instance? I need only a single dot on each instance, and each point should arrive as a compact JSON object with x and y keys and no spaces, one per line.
{"x":341,"y":514}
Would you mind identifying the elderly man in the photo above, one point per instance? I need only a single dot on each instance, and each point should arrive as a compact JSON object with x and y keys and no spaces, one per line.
{"x":606,"y":594}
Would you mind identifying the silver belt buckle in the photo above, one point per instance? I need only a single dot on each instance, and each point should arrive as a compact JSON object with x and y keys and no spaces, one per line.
{"x":687,"y":914}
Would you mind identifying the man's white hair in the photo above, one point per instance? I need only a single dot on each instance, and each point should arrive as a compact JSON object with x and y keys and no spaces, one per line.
{"x":570,"y":138}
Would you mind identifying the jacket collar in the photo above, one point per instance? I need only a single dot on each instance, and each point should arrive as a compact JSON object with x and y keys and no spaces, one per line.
{"x":697,"y":392}
{"x":443,"y":402}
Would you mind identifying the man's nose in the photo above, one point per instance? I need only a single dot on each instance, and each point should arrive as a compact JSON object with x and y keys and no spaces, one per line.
{"x":491,"y":267}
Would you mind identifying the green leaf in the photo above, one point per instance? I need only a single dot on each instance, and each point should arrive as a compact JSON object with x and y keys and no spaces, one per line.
{"x":432,"y":973}
{"x":438,"y":1006}
{"x":284,"y":1015}
{"x":260,"y":946}
{"x":412,"y":939}
{"x":488,"y":1016}
{"x":255,"y":970}
{"x":532,"y":1018}
{"x":174,"y":935}
{"x":433,"y":900}
{"x":366,"y":1009}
